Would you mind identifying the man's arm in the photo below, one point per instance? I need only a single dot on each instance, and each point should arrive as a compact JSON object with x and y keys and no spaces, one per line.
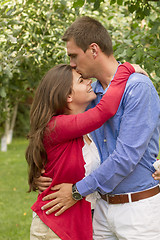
{"x":44,"y":182}
{"x":63,"y":197}
{"x":138,"y":122}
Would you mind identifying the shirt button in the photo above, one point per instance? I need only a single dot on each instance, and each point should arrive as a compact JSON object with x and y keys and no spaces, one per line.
{"x":105,"y":140}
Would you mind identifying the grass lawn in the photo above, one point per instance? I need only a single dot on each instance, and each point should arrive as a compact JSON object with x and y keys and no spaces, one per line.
{"x":15,"y":203}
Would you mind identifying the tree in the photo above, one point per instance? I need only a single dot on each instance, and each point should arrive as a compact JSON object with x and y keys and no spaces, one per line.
{"x":29,"y":32}
{"x":30,"y":41}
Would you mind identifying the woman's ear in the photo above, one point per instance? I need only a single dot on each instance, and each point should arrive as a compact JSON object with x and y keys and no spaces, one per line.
{"x":69,"y":99}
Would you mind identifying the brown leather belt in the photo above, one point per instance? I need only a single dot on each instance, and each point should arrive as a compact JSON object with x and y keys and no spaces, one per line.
{"x":130,"y":197}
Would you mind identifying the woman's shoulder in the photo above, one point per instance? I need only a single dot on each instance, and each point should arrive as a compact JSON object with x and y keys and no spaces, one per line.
{"x":59,"y":124}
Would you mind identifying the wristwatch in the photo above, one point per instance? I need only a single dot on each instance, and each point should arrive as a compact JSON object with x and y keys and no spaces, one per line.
{"x":75,"y":194}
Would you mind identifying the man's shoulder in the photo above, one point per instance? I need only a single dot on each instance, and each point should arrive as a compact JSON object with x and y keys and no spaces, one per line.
{"x":140,"y":85}
{"x":138,"y":79}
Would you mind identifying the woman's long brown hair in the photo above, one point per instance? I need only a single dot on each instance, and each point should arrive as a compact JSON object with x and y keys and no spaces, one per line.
{"x":50,"y":100}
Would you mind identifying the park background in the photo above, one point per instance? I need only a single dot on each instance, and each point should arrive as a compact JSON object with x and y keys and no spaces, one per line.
{"x":30,"y":44}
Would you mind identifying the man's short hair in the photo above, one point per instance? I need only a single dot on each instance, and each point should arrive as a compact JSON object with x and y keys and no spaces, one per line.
{"x":86,"y":30}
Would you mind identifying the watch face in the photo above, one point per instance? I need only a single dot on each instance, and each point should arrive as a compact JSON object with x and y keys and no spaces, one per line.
{"x":77,"y":196}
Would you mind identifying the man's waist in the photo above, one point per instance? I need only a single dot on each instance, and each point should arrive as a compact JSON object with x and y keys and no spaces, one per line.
{"x":131,"y":196}
{"x":134,"y":182}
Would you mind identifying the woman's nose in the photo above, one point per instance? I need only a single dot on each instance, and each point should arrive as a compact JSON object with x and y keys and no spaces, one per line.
{"x":89,"y":81}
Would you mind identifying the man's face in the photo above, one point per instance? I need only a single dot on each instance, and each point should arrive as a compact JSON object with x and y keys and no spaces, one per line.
{"x":81,"y":61}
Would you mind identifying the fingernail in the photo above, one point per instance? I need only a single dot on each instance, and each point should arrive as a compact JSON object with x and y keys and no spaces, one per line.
{"x":47,"y":212}
{"x":55,"y":215}
{"x":42,"y":208}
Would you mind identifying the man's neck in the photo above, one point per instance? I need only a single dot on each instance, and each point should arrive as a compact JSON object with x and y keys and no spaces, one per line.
{"x":107,"y":69}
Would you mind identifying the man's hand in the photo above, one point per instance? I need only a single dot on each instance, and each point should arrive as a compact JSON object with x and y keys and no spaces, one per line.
{"x":156,"y":175}
{"x":61,"y":199}
{"x":42,"y":182}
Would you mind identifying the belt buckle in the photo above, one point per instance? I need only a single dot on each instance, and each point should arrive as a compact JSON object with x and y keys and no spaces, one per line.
{"x":120,"y":198}
{"x":129,"y":197}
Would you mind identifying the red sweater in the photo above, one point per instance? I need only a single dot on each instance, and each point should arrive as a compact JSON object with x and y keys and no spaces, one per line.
{"x":63,"y":144}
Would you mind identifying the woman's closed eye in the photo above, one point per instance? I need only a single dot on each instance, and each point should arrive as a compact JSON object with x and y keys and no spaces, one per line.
{"x":81,"y":80}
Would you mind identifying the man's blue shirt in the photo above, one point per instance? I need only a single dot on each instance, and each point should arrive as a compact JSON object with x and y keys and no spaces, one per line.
{"x":128,"y":143}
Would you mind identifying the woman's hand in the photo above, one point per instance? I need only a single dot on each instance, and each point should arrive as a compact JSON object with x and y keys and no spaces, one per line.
{"x":138,"y":69}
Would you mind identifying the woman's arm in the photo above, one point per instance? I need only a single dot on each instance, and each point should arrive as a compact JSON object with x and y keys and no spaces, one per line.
{"x":73,"y":126}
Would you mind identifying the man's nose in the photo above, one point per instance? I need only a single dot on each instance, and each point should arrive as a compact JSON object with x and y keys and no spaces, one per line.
{"x":72,"y":64}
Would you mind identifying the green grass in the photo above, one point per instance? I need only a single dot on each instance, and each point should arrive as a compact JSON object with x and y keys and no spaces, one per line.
{"x":15,"y":203}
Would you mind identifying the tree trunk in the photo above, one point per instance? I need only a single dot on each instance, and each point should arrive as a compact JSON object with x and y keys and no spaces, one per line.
{"x":7,"y":126}
{"x":13,"y":120}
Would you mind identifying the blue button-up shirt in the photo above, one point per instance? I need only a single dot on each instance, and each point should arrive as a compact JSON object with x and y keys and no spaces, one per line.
{"x":128,"y":143}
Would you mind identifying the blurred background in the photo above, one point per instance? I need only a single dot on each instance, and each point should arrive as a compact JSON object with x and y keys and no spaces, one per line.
{"x":30,"y":44}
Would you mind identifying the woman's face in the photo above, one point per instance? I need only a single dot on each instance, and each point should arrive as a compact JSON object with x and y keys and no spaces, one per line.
{"x":82,"y":92}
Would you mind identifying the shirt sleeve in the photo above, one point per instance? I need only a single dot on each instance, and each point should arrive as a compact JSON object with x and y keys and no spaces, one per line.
{"x":73,"y":126}
{"x":139,"y":120}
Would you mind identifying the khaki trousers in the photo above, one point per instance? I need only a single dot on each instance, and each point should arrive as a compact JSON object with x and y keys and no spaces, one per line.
{"x":40,"y":231}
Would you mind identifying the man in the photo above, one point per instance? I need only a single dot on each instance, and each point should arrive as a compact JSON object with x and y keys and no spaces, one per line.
{"x":128,"y":144}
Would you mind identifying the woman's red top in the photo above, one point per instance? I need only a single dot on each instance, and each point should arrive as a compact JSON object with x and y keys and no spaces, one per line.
{"x":63,"y":144}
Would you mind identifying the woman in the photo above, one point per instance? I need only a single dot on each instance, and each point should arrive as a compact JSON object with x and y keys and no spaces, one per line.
{"x":58,"y":122}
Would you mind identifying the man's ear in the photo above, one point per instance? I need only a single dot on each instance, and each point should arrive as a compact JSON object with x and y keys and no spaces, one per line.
{"x":94,"y":49}
{"x":69,"y":99}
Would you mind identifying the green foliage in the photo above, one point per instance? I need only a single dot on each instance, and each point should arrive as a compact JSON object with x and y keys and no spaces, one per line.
{"x":22,"y":123}
{"x":31,"y":31}
{"x":138,"y":41}
{"x":30,"y":43}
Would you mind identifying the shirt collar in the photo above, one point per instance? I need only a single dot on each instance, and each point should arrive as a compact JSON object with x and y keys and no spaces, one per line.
{"x":97,"y":87}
